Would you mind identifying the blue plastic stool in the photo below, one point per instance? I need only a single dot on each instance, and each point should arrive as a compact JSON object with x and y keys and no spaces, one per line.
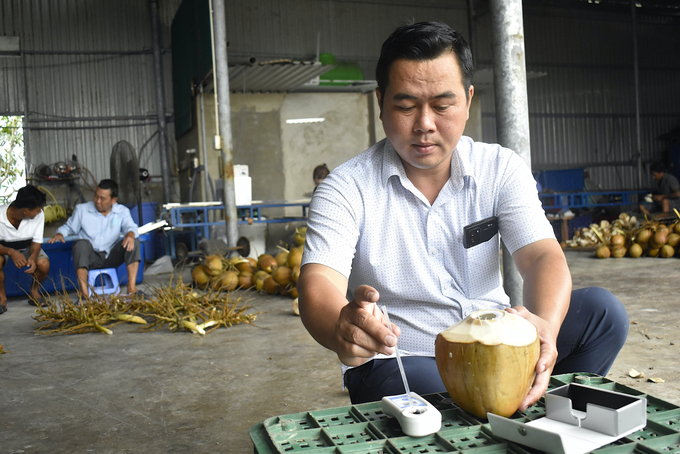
{"x":104,"y":281}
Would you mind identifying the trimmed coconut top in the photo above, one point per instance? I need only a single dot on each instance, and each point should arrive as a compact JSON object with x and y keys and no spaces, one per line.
{"x":492,"y":327}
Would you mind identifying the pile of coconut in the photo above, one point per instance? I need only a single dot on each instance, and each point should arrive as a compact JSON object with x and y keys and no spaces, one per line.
{"x":628,"y":237}
{"x":272,"y":274}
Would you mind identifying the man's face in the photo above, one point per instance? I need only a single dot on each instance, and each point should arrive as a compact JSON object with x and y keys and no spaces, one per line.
{"x":424,"y":111}
{"x":103,"y":200}
{"x":30,"y":214}
{"x":657,"y":175}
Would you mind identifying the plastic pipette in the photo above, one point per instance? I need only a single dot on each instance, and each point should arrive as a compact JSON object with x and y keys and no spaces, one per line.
{"x":401,"y":366}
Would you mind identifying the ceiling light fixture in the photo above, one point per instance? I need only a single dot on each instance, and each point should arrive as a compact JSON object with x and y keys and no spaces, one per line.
{"x":295,"y":121}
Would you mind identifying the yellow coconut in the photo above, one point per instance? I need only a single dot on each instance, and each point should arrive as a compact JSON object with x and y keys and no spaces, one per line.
{"x":267,"y":262}
{"x":282,"y":275}
{"x":673,"y":240}
{"x":619,"y":251}
{"x":246,"y":266}
{"x":659,"y":238}
{"x":295,"y":274}
{"x":487,"y":361}
{"x":293,"y":293}
{"x":270,"y":286}
{"x":643,"y":236}
{"x":213,"y":264}
{"x":635,"y":250}
{"x":200,"y":276}
{"x":282,"y":258}
{"x":603,"y":252}
{"x":260,"y":275}
{"x":300,"y":235}
{"x":227,"y":281}
{"x":667,"y":251}
{"x":245,"y":279}
{"x":618,"y":240}
{"x":295,"y":257}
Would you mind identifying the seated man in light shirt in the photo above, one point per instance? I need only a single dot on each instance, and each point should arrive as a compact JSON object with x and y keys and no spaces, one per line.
{"x":99,"y":225}
{"x":21,"y":234}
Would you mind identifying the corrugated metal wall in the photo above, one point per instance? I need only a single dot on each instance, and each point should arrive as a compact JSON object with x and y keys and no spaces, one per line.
{"x":85,"y":80}
{"x":582,"y":110}
{"x":351,"y":30}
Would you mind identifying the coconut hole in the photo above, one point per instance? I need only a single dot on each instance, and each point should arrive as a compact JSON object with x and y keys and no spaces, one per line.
{"x":490,"y":315}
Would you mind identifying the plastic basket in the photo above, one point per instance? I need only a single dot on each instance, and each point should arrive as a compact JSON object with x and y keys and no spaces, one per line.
{"x":365,"y":429}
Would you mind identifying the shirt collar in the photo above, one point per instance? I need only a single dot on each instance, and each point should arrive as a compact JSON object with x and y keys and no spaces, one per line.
{"x":392,"y":164}
{"x":3,"y":215}
{"x":460,"y":165}
{"x":93,"y":209}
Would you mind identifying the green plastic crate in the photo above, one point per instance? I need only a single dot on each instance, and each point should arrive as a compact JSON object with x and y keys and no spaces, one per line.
{"x":365,"y":429}
{"x":670,"y":418}
{"x":669,"y":444}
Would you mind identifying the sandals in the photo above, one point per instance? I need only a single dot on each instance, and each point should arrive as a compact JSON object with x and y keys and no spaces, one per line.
{"x":42,"y":302}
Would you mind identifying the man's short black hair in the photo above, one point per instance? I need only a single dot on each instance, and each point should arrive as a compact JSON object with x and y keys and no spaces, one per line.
{"x":424,"y":41}
{"x":658,"y":167}
{"x":110,"y":184}
{"x":29,"y":197}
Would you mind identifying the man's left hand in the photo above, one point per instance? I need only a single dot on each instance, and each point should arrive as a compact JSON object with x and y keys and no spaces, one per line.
{"x":31,"y":265}
{"x":129,"y":242}
{"x":547,"y":358}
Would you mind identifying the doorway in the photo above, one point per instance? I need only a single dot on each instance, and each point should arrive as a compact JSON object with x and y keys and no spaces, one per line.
{"x":12,"y":157}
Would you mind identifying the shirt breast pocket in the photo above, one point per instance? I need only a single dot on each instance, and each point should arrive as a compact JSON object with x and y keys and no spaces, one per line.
{"x":483,"y":268}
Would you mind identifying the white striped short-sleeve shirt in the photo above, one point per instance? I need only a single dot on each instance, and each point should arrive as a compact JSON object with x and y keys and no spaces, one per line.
{"x":369,"y":222}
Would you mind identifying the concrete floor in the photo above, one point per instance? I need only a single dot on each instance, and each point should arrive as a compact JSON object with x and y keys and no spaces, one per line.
{"x":165,"y":392}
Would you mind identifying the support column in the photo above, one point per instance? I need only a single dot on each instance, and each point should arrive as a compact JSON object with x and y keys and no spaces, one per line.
{"x":636,"y":70}
{"x":165,"y":156}
{"x":224,"y":113}
{"x":512,"y":111}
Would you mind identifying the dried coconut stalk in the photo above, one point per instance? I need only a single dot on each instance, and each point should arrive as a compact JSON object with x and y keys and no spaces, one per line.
{"x":179,"y":307}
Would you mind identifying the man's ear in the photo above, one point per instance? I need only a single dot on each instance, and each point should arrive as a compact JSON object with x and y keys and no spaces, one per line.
{"x":378,"y":95}
{"x":114,"y":199}
{"x":471,"y":93}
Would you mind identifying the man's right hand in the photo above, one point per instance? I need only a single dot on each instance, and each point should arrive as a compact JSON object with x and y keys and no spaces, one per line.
{"x":18,"y":258}
{"x":362,"y":329}
{"x":57,"y":237}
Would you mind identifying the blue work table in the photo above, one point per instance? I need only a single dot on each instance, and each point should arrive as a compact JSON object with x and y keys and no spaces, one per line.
{"x":566,"y":200}
{"x":194,"y":218}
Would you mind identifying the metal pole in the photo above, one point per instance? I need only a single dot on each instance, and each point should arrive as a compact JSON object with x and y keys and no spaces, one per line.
{"x":224,"y":109}
{"x":204,"y":148}
{"x":25,"y":122}
{"x":471,"y":26}
{"x":512,"y":110}
{"x":636,"y":70}
{"x":165,"y":156}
